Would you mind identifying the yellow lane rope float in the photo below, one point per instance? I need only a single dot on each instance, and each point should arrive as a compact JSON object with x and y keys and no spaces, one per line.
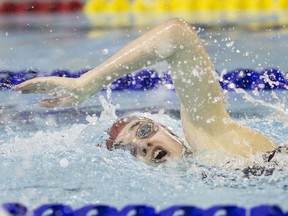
{"x":171,"y":5}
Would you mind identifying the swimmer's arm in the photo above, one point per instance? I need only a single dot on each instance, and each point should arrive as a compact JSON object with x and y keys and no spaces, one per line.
{"x":156,"y":45}
{"x":174,"y":41}
{"x":192,"y":71}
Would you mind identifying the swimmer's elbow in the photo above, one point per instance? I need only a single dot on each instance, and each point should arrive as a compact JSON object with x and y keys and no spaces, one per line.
{"x":181,"y":28}
{"x":179,"y":24}
{"x":178,"y":21}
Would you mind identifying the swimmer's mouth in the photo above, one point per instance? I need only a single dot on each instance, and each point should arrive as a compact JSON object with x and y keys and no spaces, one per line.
{"x":159,"y":155}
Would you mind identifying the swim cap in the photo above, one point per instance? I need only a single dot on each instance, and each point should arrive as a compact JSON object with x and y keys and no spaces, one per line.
{"x":116,"y":128}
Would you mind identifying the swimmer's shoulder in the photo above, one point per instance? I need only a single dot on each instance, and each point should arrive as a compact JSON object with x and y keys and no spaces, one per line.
{"x":244,"y":141}
{"x":230,"y":137}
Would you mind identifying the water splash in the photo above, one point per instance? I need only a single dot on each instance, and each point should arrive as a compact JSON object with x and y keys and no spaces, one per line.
{"x":278,"y":104}
{"x":109,"y":110}
{"x":35,"y":168}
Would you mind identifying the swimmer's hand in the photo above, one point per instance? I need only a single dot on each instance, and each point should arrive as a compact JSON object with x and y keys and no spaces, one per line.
{"x":66,"y":91}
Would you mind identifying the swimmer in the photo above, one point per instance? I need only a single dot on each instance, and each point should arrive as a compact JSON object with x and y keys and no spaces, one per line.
{"x":205,"y":120}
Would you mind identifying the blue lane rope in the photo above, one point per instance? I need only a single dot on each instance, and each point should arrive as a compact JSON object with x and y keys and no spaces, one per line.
{"x":248,"y":79}
{"x":16,"y":209}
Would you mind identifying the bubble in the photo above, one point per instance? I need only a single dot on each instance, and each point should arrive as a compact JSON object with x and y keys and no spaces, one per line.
{"x":105,"y":51}
{"x":64,"y":163}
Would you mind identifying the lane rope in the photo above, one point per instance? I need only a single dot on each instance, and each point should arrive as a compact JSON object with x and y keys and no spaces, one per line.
{"x":248,"y":79}
{"x":20,"y":7}
{"x":94,"y":6}
{"x":17,"y":209}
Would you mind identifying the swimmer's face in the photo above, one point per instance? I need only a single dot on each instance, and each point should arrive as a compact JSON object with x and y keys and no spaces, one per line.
{"x":149,"y":142}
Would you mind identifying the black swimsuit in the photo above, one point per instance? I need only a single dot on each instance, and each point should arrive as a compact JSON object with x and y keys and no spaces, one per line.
{"x":258,"y":170}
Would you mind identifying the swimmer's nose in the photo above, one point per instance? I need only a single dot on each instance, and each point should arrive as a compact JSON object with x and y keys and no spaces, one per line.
{"x":144,"y":148}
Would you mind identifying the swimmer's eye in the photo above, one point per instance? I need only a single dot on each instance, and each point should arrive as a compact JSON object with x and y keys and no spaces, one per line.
{"x":146,"y":130}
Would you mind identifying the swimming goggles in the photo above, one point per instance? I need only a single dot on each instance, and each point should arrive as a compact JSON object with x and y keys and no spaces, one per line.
{"x":146,"y":130}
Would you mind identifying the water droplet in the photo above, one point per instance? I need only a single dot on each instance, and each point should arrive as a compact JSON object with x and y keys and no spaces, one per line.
{"x":105,"y":51}
{"x":230,"y":44}
{"x":64,"y":163}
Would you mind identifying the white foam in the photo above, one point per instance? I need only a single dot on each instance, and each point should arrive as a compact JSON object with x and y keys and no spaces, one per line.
{"x":67,"y":164}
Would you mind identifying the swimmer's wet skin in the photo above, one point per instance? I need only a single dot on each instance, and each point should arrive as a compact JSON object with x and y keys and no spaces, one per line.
{"x":205,"y":120}
{"x":149,"y":141}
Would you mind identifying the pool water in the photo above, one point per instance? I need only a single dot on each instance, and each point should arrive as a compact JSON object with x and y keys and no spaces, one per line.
{"x":52,"y":155}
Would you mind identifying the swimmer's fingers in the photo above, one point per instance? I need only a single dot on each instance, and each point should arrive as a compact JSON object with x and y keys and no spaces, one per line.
{"x":43,"y":84}
{"x":58,"y":87}
{"x":56,"y":91}
{"x":66,"y":91}
{"x":32,"y":85}
{"x":57,"y":102}
{"x":39,"y":91}
{"x":50,"y":102}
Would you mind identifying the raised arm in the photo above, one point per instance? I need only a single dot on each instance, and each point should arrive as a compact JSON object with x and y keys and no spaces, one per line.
{"x":190,"y":66}
{"x":174,"y":41}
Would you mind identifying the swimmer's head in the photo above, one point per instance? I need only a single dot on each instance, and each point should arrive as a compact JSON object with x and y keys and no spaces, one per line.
{"x":147,"y":140}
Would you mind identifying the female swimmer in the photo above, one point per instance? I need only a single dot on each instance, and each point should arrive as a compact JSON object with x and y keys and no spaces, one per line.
{"x":205,"y":120}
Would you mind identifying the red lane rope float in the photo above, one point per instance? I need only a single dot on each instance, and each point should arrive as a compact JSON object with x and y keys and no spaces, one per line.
{"x":8,"y":7}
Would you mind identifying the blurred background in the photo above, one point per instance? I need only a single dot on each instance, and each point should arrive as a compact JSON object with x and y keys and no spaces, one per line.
{"x":139,"y":12}
{"x":73,"y":35}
